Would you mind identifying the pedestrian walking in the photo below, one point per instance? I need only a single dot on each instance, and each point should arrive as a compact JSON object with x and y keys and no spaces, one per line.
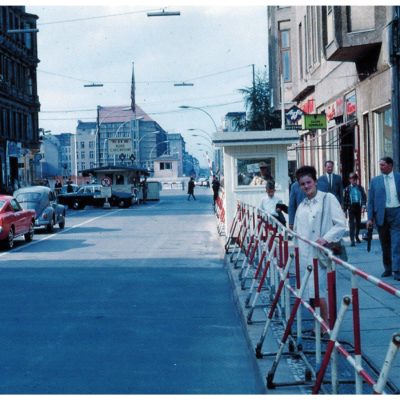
{"x":57,"y":187}
{"x":296,"y":196}
{"x":330,"y":182}
{"x":191,"y":189}
{"x":384,"y":212}
{"x":144,"y":190}
{"x":215,"y":187}
{"x":354,"y":203}
{"x":319,"y":218}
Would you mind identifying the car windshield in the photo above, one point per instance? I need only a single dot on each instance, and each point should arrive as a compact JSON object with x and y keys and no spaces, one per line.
{"x":28,"y":197}
{"x":2,"y":202}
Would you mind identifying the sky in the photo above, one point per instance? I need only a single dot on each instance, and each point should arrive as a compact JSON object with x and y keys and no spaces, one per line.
{"x":211,"y":47}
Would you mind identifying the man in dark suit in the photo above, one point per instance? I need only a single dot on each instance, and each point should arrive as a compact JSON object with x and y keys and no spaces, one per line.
{"x":384,"y":211}
{"x":296,"y":196}
{"x":330,"y":182}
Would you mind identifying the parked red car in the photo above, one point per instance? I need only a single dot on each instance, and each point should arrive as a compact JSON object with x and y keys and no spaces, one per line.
{"x":15,"y":221}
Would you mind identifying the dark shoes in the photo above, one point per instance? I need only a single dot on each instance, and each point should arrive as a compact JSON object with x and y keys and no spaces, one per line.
{"x":396,"y":276}
{"x":358,"y":240}
{"x":352,"y":244}
{"x":386,"y":274}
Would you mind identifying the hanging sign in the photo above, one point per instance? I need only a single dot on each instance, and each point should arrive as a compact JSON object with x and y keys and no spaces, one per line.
{"x":314,"y":121}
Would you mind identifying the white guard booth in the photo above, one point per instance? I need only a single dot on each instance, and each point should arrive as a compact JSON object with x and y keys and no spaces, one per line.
{"x":242,"y":154}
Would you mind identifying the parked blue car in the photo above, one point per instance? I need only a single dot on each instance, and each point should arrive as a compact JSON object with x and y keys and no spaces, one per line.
{"x":43,"y":200}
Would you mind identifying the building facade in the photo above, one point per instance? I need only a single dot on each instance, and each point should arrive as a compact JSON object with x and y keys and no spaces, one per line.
{"x":85,"y":146}
{"x":335,"y":60}
{"x":19,"y":102}
{"x":128,"y":138}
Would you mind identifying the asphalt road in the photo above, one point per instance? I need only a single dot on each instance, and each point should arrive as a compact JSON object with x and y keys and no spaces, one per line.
{"x":124,"y":301}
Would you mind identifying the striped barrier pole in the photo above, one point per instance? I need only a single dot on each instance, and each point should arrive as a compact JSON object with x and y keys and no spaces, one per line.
{"x":331,"y":344}
{"x":356,"y":330}
{"x":387,"y":364}
{"x":271,"y":373}
{"x":273,"y":307}
{"x":261,"y":283}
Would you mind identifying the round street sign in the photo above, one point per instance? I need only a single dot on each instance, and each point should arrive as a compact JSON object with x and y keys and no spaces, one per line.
{"x":106,"y":181}
{"x":122,"y":156}
{"x":132,"y":157}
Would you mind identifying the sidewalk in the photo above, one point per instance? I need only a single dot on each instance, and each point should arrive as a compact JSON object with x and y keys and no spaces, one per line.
{"x":379,"y":320}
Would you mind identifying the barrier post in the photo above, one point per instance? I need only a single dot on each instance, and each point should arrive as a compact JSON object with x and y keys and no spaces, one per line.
{"x":387,"y":364}
{"x":356,"y":331}
{"x":271,"y":373}
{"x":334,"y":334}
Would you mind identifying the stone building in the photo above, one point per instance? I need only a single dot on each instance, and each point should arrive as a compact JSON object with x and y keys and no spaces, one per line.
{"x":335,"y":60}
{"x":19,"y":102}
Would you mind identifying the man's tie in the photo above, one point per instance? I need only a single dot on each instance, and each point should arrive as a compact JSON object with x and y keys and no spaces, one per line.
{"x":330,"y":182}
{"x":387,"y":188}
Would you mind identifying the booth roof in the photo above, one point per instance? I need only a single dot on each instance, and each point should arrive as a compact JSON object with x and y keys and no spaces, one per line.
{"x":113,"y":168}
{"x":275,"y":136}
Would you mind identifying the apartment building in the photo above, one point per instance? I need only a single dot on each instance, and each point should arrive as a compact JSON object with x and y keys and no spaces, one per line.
{"x":19,"y":102}
{"x":336,"y":60}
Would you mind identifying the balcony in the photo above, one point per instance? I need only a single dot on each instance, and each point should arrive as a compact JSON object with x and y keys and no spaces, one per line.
{"x":354,"y":34}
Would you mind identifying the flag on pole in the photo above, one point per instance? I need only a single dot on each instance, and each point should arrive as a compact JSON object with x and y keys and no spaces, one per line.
{"x":133,"y":103}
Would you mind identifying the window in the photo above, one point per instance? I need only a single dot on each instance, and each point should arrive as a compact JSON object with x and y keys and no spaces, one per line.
{"x":383,"y":132}
{"x":165,"y":165}
{"x":82,"y":145}
{"x":249,"y":169}
{"x":285,"y":55}
{"x":91,"y":154}
{"x":91,"y":144}
{"x":82,"y":154}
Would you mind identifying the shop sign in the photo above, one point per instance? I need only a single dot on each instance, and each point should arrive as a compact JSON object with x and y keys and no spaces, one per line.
{"x":13,"y":149}
{"x":314,"y":121}
{"x":335,"y":109}
{"x":351,"y":106}
{"x":308,"y":106}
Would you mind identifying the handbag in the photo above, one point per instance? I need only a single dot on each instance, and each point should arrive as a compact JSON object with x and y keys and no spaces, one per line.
{"x":338,"y":249}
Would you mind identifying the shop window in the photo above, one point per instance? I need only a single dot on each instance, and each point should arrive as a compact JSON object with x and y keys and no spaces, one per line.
{"x":165,"y":165}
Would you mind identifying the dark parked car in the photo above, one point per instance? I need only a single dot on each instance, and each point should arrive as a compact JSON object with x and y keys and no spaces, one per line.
{"x":43,"y":200}
{"x":64,"y":188}
{"x":92,"y":195}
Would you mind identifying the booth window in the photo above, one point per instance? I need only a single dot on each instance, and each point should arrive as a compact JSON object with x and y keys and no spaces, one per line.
{"x":249,"y":169}
{"x":119,"y":180}
{"x":165,"y":165}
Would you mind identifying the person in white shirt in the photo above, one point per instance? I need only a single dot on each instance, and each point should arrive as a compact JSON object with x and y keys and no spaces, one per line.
{"x":270,"y":201}
{"x":319,"y":218}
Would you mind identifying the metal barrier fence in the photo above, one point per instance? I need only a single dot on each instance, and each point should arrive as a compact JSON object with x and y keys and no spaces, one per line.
{"x":266,"y":253}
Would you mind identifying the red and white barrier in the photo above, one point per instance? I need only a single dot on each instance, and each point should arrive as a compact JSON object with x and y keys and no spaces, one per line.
{"x":270,"y":260}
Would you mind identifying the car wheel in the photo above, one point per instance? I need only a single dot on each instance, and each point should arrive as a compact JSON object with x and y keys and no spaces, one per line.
{"x":61,"y":224}
{"x":76,"y":205}
{"x":9,"y":242}
{"x":121,"y":203}
{"x":29,"y":236}
{"x":50,"y":226}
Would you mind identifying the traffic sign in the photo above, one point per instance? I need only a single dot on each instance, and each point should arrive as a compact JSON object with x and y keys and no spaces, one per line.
{"x":106,"y":181}
{"x":132,"y":157}
{"x":122,"y":156}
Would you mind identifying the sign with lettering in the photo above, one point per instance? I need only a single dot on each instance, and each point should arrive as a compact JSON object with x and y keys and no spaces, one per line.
{"x":314,"y":121}
{"x":294,"y":114}
{"x":118,"y":146}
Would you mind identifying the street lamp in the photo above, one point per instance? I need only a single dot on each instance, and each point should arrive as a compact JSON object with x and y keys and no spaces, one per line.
{"x":201,"y":130}
{"x":163,"y":13}
{"x":204,"y":111}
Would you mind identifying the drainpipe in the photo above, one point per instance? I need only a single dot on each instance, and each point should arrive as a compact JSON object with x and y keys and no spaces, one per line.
{"x":394,"y":47}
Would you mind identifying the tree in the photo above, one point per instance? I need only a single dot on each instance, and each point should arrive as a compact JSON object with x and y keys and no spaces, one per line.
{"x":260,"y":116}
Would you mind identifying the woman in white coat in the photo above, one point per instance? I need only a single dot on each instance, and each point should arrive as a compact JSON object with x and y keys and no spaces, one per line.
{"x":319,"y":218}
